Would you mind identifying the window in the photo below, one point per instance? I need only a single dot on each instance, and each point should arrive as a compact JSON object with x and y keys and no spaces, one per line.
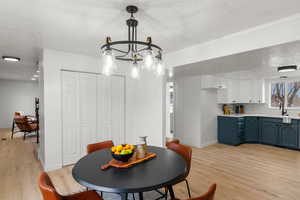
{"x":287,"y":92}
{"x":293,"y":94}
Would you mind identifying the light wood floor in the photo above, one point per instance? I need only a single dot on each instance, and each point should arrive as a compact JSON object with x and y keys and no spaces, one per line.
{"x":246,"y":172}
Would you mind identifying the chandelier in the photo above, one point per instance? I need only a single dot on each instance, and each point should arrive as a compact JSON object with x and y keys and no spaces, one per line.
{"x":141,"y":54}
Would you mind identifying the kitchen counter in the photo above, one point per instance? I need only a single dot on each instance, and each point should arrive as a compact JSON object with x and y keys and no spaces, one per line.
{"x":259,"y":115}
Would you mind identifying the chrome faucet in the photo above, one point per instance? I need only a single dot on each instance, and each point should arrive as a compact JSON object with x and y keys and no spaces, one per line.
{"x":283,"y":111}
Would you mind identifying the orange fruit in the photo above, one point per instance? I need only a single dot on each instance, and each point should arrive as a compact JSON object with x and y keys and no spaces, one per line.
{"x":117,"y":153}
{"x":114,"y":149}
{"x":119,"y":148}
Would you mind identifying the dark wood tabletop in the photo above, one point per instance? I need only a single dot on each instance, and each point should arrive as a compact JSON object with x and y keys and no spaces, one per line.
{"x":166,"y":169}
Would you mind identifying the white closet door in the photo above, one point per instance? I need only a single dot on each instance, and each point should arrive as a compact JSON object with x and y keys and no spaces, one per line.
{"x":118,"y":109}
{"x":104,"y":108}
{"x":70,"y":117}
{"x":88,"y":110}
{"x":111,"y":109}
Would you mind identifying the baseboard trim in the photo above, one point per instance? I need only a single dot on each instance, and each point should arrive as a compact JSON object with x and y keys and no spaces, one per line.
{"x":208,"y":143}
{"x":50,"y":167}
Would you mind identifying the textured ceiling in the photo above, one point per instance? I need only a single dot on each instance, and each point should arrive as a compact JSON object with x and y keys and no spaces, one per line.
{"x":80,"y":26}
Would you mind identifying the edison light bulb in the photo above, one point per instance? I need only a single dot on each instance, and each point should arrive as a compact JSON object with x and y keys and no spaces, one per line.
{"x":171,"y":72}
{"x":160,"y":68}
{"x":108,"y":63}
{"x":135,"y":71}
{"x":148,"y":59}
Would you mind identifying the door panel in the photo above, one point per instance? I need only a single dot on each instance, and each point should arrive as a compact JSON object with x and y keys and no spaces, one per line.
{"x":104,"y":108}
{"x":88,"y":110}
{"x":229,"y":130}
{"x":93,"y":110}
{"x":70,"y":117}
{"x":288,"y":136}
{"x":269,"y":133}
{"x":251,"y":129}
{"x":118,"y":109}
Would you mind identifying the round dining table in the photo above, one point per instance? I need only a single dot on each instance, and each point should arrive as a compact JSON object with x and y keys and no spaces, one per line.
{"x":165,"y":170}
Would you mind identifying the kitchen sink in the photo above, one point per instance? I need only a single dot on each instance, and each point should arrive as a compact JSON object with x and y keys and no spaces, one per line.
{"x":286,"y":119}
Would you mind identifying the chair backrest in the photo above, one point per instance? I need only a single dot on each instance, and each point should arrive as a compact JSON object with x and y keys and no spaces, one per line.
{"x":184,"y":151}
{"x":23,"y":123}
{"x":47,"y":189}
{"x":20,"y":122}
{"x":209,"y":195}
{"x":100,"y":145}
{"x":17,"y":114}
{"x":173,"y":141}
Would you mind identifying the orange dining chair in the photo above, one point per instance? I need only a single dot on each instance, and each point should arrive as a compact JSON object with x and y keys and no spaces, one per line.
{"x":173,"y":141}
{"x":209,"y":195}
{"x":25,"y":125}
{"x":49,"y":192}
{"x":16,"y":114}
{"x":186,"y":153}
{"x":100,"y":145}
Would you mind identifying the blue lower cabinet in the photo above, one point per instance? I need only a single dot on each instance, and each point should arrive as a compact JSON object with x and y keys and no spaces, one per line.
{"x":251,"y":129}
{"x":265,"y":130}
{"x":230,"y":130}
{"x":269,"y":132}
{"x":288,"y":135}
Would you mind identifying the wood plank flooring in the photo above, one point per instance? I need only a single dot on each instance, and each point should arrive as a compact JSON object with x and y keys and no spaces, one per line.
{"x":246,"y":172}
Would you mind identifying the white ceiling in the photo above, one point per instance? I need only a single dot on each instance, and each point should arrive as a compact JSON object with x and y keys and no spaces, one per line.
{"x":80,"y":26}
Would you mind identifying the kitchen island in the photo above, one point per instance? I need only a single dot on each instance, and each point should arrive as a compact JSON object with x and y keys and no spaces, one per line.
{"x":273,"y":130}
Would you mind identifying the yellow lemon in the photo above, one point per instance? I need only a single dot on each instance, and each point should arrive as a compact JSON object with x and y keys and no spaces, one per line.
{"x":119,"y":148}
{"x":114,"y":149}
{"x":117,"y":152}
{"x":127,"y":146}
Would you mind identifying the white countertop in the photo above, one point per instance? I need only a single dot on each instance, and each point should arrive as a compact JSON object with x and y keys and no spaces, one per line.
{"x":259,"y":115}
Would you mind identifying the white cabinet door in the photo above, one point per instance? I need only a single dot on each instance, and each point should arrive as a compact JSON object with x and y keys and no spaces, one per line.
{"x":258,"y":91}
{"x":118,"y":109}
{"x":245,"y":91}
{"x":88,"y":110}
{"x":70,"y":118}
{"x":233,"y":91}
{"x":229,"y":94}
{"x":242,"y":91}
{"x":208,"y":81}
{"x":222,"y":96}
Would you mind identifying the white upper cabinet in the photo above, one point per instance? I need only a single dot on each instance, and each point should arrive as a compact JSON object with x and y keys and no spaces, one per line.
{"x":245,"y":91}
{"x":258,"y":91}
{"x":242,"y":91}
{"x":210,"y":81}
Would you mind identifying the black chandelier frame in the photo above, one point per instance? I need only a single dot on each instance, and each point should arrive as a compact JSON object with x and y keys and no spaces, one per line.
{"x":135,"y":47}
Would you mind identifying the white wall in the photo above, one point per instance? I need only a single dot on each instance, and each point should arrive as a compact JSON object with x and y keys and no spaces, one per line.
{"x":144,"y":103}
{"x":195,"y":112}
{"x":279,"y":32}
{"x":209,"y":112}
{"x":16,"y":96}
{"x":187,"y":111}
